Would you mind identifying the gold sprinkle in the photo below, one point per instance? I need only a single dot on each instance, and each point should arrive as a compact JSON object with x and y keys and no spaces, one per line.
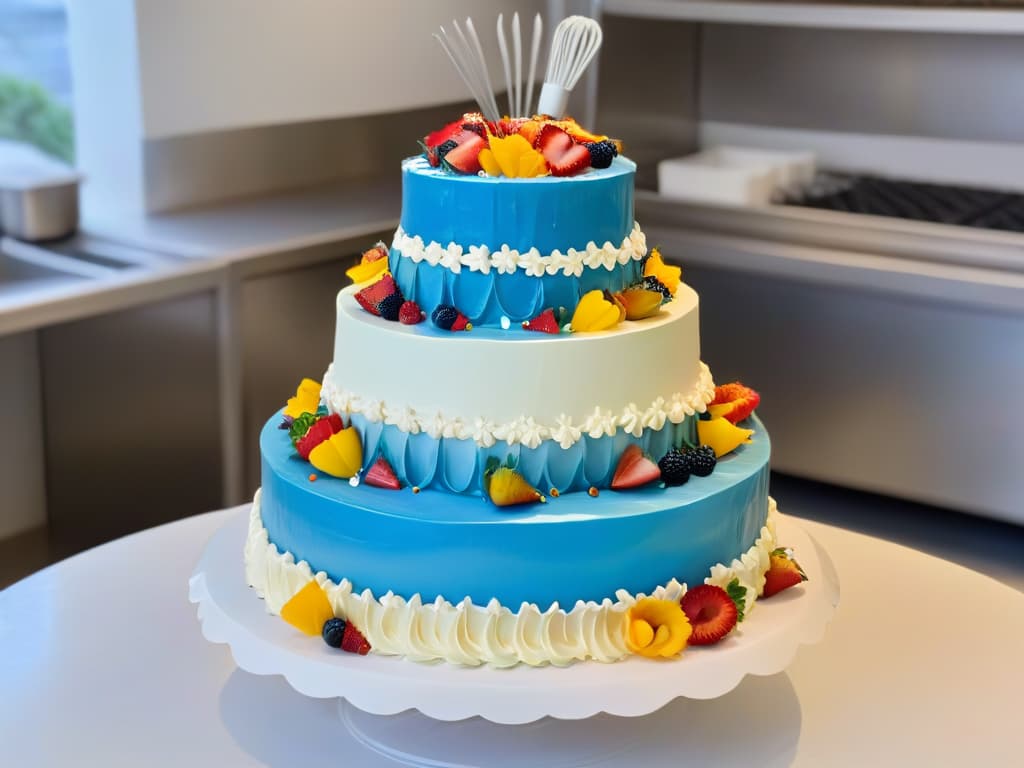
{"x":312,"y":477}
{"x":415,"y":489}
{"x":593,"y":491}
{"x":554,"y":492}
{"x":543,"y":499}
{"x":469,"y":326}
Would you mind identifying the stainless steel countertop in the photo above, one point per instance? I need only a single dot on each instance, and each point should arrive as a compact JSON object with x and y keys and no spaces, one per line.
{"x":172,"y":254}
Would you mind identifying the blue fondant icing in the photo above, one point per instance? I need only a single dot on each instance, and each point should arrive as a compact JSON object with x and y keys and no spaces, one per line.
{"x":573,"y":548}
{"x":457,"y":466}
{"x":548,"y":213}
{"x":485,"y":299}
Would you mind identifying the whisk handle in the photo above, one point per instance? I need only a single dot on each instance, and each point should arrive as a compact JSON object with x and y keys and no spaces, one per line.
{"x":553,"y":100}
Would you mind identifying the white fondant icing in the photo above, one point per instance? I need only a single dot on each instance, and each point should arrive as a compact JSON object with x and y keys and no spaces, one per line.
{"x":651,"y":365}
{"x":471,"y":635}
{"x":505,"y":260}
{"x":526,"y":430}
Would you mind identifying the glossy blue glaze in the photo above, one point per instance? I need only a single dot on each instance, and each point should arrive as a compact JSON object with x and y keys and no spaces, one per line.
{"x":485,"y":299}
{"x":573,"y":548}
{"x":457,"y":466}
{"x":546,"y":213}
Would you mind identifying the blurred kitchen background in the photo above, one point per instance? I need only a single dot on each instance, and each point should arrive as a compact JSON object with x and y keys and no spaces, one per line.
{"x":229,"y":159}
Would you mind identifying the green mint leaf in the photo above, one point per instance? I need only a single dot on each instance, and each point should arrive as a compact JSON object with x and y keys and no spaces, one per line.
{"x":738,"y":594}
{"x":300,"y":426}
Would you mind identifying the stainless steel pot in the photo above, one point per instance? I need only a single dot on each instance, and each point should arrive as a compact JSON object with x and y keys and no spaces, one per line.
{"x":38,"y":194}
{"x":40,"y":211}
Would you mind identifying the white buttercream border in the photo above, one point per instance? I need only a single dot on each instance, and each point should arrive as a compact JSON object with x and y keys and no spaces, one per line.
{"x":505,"y":260}
{"x":471,"y":635}
{"x":525,"y":430}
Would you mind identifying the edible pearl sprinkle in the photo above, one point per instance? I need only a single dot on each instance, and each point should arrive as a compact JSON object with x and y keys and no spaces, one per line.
{"x":353,"y":481}
{"x":505,"y":323}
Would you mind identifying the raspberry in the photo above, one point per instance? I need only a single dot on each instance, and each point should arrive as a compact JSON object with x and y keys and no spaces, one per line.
{"x":675,"y":467}
{"x":410,"y":313}
{"x":702,"y":460}
{"x":390,"y":306}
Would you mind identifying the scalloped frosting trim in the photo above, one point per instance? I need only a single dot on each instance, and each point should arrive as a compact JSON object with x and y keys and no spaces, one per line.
{"x":471,"y":635}
{"x":505,"y":260}
{"x":525,"y":430}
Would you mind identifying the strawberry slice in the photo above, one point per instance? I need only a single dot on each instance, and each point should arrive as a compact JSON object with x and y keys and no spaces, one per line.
{"x":711,"y":612}
{"x":437,"y":138}
{"x":353,"y":640}
{"x":734,"y":402}
{"x":319,"y":431}
{"x":545,"y":322}
{"x":634,"y":469}
{"x":553,"y":143}
{"x":465,"y":157}
{"x":381,"y":475}
{"x":371,"y":296}
{"x":783,"y":572}
{"x":576,"y":159}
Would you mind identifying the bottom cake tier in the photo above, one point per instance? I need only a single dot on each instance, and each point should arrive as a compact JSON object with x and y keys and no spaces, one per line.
{"x":458,"y":578}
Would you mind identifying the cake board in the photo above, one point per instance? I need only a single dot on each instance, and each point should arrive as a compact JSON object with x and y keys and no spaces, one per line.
{"x":420,"y":695}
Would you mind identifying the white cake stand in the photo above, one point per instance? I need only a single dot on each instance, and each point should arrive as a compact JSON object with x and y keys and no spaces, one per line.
{"x":372,"y":686}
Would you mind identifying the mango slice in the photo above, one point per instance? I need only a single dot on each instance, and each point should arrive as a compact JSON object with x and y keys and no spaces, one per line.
{"x":488,"y":162}
{"x":668,"y":275}
{"x":657,"y":628}
{"x":306,"y":400}
{"x":340,"y":455}
{"x":723,"y":436}
{"x":516,"y":157}
{"x":308,"y":609}
{"x":596,"y":313}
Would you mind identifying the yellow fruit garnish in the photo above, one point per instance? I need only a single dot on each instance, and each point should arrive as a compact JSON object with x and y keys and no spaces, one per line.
{"x":306,"y":400}
{"x":516,"y":157}
{"x":639,"y":302}
{"x":657,"y":628}
{"x":595,"y":313}
{"x":308,"y":609}
{"x":373,"y":263}
{"x":340,"y":455}
{"x":488,"y":163}
{"x":364,"y":273}
{"x":667,"y":274}
{"x":532,"y":165}
{"x":722,"y":435}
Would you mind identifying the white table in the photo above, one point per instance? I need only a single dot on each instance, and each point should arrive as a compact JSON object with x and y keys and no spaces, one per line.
{"x":102,"y":663}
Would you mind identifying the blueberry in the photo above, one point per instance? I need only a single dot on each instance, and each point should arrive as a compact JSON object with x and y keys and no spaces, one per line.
{"x":333,"y":632}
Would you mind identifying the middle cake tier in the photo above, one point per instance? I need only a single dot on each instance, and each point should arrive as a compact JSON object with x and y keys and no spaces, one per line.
{"x":438,"y":404}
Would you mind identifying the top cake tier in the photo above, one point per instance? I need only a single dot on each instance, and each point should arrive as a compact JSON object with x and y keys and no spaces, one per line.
{"x":505,"y":249}
{"x":547,"y":214}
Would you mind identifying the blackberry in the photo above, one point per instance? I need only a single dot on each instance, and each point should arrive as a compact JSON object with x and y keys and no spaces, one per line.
{"x":445,"y":148}
{"x":333,"y":632}
{"x":477,"y":128}
{"x":651,"y":283}
{"x":601,"y":153}
{"x":390,"y":306}
{"x":675,"y":467}
{"x":444,"y":316}
{"x":702,"y":460}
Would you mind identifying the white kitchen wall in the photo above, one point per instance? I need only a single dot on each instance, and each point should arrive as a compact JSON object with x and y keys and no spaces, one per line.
{"x":148,"y":71}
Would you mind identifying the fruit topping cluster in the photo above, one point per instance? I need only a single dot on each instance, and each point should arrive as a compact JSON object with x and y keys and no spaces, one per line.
{"x":518,"y":147}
